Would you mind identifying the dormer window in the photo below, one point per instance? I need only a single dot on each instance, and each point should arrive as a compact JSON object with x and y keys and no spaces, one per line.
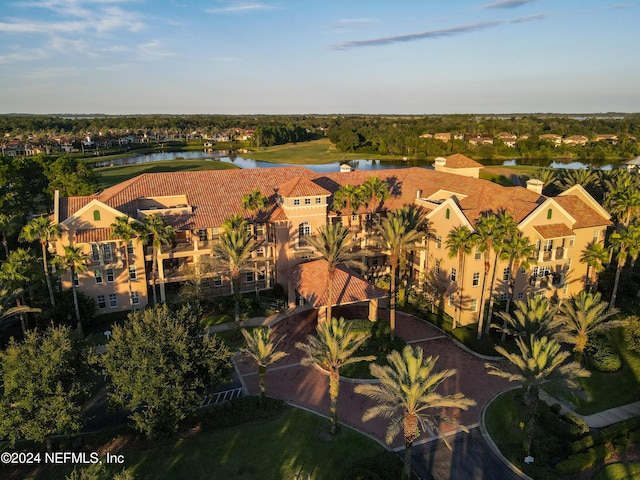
{"x":96,"y":215}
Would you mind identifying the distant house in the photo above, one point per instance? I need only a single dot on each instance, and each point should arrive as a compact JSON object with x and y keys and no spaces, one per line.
{"x":633,"y":164}
{"x":459,"y":165}
{"x":611,"y":139}
{"x":479,"y":140}
{"x":426,"y":135}
{"x":575,"y":140}
{"x":551,"y":137}
{"x":444,"y":137}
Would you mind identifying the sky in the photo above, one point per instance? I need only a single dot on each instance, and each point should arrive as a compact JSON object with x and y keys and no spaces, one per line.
{"x":319,"y":57}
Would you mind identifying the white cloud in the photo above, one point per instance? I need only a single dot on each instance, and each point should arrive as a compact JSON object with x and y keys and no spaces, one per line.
{"x":241,"y":7}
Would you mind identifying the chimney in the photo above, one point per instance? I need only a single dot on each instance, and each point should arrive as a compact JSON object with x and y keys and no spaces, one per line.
{"x":418,"y":194}
{"x":535,"y":185}
{"x":345,"y":167}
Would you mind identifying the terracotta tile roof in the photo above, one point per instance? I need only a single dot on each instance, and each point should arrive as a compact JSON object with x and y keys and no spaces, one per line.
{"x":555,"y":230}
{"x":301,"y":187}
{"x":585,"y":215}
{"x":311,"y":278}
{"x":458,"y":160}
{"x":70,"y":205}
{"x":92,"y":235}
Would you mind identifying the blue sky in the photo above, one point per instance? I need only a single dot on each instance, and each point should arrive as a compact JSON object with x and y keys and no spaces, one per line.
{"x":330,"y":56}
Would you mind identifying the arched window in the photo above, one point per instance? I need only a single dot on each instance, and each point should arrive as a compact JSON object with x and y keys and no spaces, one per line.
{"x":447,"y":214}
{"x":549,"y":214}
{"x":304,"y":229}
{"x":96,"y":215}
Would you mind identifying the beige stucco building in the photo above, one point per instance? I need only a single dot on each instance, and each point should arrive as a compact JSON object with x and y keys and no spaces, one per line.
{"x":196,"y":204}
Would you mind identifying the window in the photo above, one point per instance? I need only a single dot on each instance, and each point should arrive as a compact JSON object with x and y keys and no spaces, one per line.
{"x":535,"y":271}
{"x":113,"y":300}
{"x":503,"y":297}
{"x":135,"y":298}
{"x":251,"y":277}
{"x":95,"y":253}
{"x":101,"y":301}
{"x":217,"y":281}
{"x":304,"y":229}
{"x":261,"y":276}
{"x":133,"y":275}
{"x":260,"y":229}
{"x":474,"y":305}
{"x":478,"y":255}
{"x":130,"y":248}
{"x":452,"y":299}
{"x":307,"y":201}
{"x":110,"y":275}
{"x":76,"y":280}
{"x":572,"y":241}
{"x":106,"y":252}
{"x":260,"y":251}
{"x":454,"y":274}
{"x":520,"y":295}
{"x":476,"y":279}
{"x":98,"y":274}
{"x":506,"y":274}
{"x":247,"y":228}
{"x":202,"y":235}
{"x":318,"y":200}
{"x":96,"y":215}
{"x":538,"y":245}
{"x":596,"y":235}
{"x":438,"y":239}
{"x":447,"y":214}
{"x":437,"y":267}
{"x":548,"y":245}
{"x":296,"y":201}
{"x":549,"y":214}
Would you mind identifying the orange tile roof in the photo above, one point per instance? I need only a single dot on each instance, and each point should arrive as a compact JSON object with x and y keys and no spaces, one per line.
{"x":457,"y":160}
{"x":92,"y":235}
{"x":555,"y":230}
{"x":585,"y":215}
{"x":311,"y":279}
{"x":301,"y":187}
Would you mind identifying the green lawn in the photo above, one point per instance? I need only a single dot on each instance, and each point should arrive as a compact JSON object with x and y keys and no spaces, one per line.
{"x":314,"y":152}
{"x":286,"y":447}
{"x":608,"y":390}
{"x":619,"y":471}
{"x":112,"y":175}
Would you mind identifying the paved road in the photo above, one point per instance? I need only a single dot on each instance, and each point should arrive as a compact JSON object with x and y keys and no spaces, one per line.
{"x":470,"y":458}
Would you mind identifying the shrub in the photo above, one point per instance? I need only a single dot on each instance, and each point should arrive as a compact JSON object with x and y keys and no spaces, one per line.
{"x":602,"y":355}
{"x":632,"y":333}
{"x":607,"y":434}
{"x":239,"y":411}
{"x":577,"y":426}
{"x":579,"y":462}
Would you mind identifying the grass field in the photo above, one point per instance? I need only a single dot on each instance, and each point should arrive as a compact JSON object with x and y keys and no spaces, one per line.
{"x":112,"y":175}
{"x":286,"y":447}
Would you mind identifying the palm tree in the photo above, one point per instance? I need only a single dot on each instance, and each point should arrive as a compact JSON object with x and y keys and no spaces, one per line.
{"x":460,"y":242}
{"x":331,"y":348}
{"x":347,"y":198}
{"x":7,"y":312}
{"x":546,"y":175}
{"x":161,"y":234}
{"x":75,"y":261}
{"x":571,"y":176}
{"x":407,"y":397}
{"x":254,"y":202}
{"x":334,"y":246}
{"x":264,"y":351}
{"x":233,"y":251}
{"x":534,"y":316}
{"x":126,"y":229}
{"x":487,"y":230}
{"x":540,"y":360}
{"x":584,"y":315}
{"x":626,"y":240}
{"x":16,"y":274}
{"x":43,"y":230}
{"x":374,"y":192}
{"x":396,"y":238}
{"x":595,"y":256}
{"x":623,"y":196}
{"x":520,"y":252}
{"x":234,"y":222}
{"x":414,"y":219}
{"x":8,"y":225}
{"x":508,"y":230}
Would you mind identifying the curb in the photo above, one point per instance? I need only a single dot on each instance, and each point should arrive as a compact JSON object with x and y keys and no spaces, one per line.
{"x":490,"y":442}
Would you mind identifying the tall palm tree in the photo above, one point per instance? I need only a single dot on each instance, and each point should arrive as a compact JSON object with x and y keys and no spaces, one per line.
{"x":626,"y":241}
{"x":161,"y":234}
{"x":623,"y":196}
{"x":347,"y":198}
{"x":331,"y":348}
{"x":414,"y":219}
{"x":264,"y":351}
{"x":234,"y":222}
{"x":374,"y":192}
{"x":534,"y":316}
{"x":254,"y":202}
{"x":407,"y":397}
{"x":75,"y":261}
{"x":233,"y":252}
{"x":16,"y":273}
{"x":8,"y":226}
{"x":520,"y":252}
{"x":595,"y":255}
{"x":460,"y":242}
{"x":508,"y":230}
{"x":546,"y":175}
{"x":487,"y":231}
{"x":43,"y":230}
{"x":540,"y":360}
{"x":6,"y":312}
{"x":396,"y":238}
{"x":333,"y":245}
{"x":584,"y":315}
{"x":571,"y":176}
{"x":126,"y":229}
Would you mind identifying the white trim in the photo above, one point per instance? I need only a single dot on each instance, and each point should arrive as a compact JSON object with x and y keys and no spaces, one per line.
{"x":548,"y":203}
{"x":92,"y":205}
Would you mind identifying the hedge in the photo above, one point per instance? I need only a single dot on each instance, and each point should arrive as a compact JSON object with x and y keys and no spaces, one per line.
{"x":606,"y":435}
{"x":579,"y":462}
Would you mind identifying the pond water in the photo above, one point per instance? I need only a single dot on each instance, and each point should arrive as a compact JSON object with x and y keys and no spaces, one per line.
{"x":364,"y":164}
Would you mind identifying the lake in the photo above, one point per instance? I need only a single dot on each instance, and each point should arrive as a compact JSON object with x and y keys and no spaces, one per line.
{"x":363,"y":164}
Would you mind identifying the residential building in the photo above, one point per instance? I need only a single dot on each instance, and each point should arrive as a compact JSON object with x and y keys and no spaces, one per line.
{"x":197,"y":203}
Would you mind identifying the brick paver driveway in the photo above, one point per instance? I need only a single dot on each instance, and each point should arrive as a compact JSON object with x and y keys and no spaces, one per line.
{"x":307,"y":387}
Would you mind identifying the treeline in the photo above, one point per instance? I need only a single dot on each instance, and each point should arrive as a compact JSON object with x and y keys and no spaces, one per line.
{"x":401,"y":136}
{"x":278,"y":134}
